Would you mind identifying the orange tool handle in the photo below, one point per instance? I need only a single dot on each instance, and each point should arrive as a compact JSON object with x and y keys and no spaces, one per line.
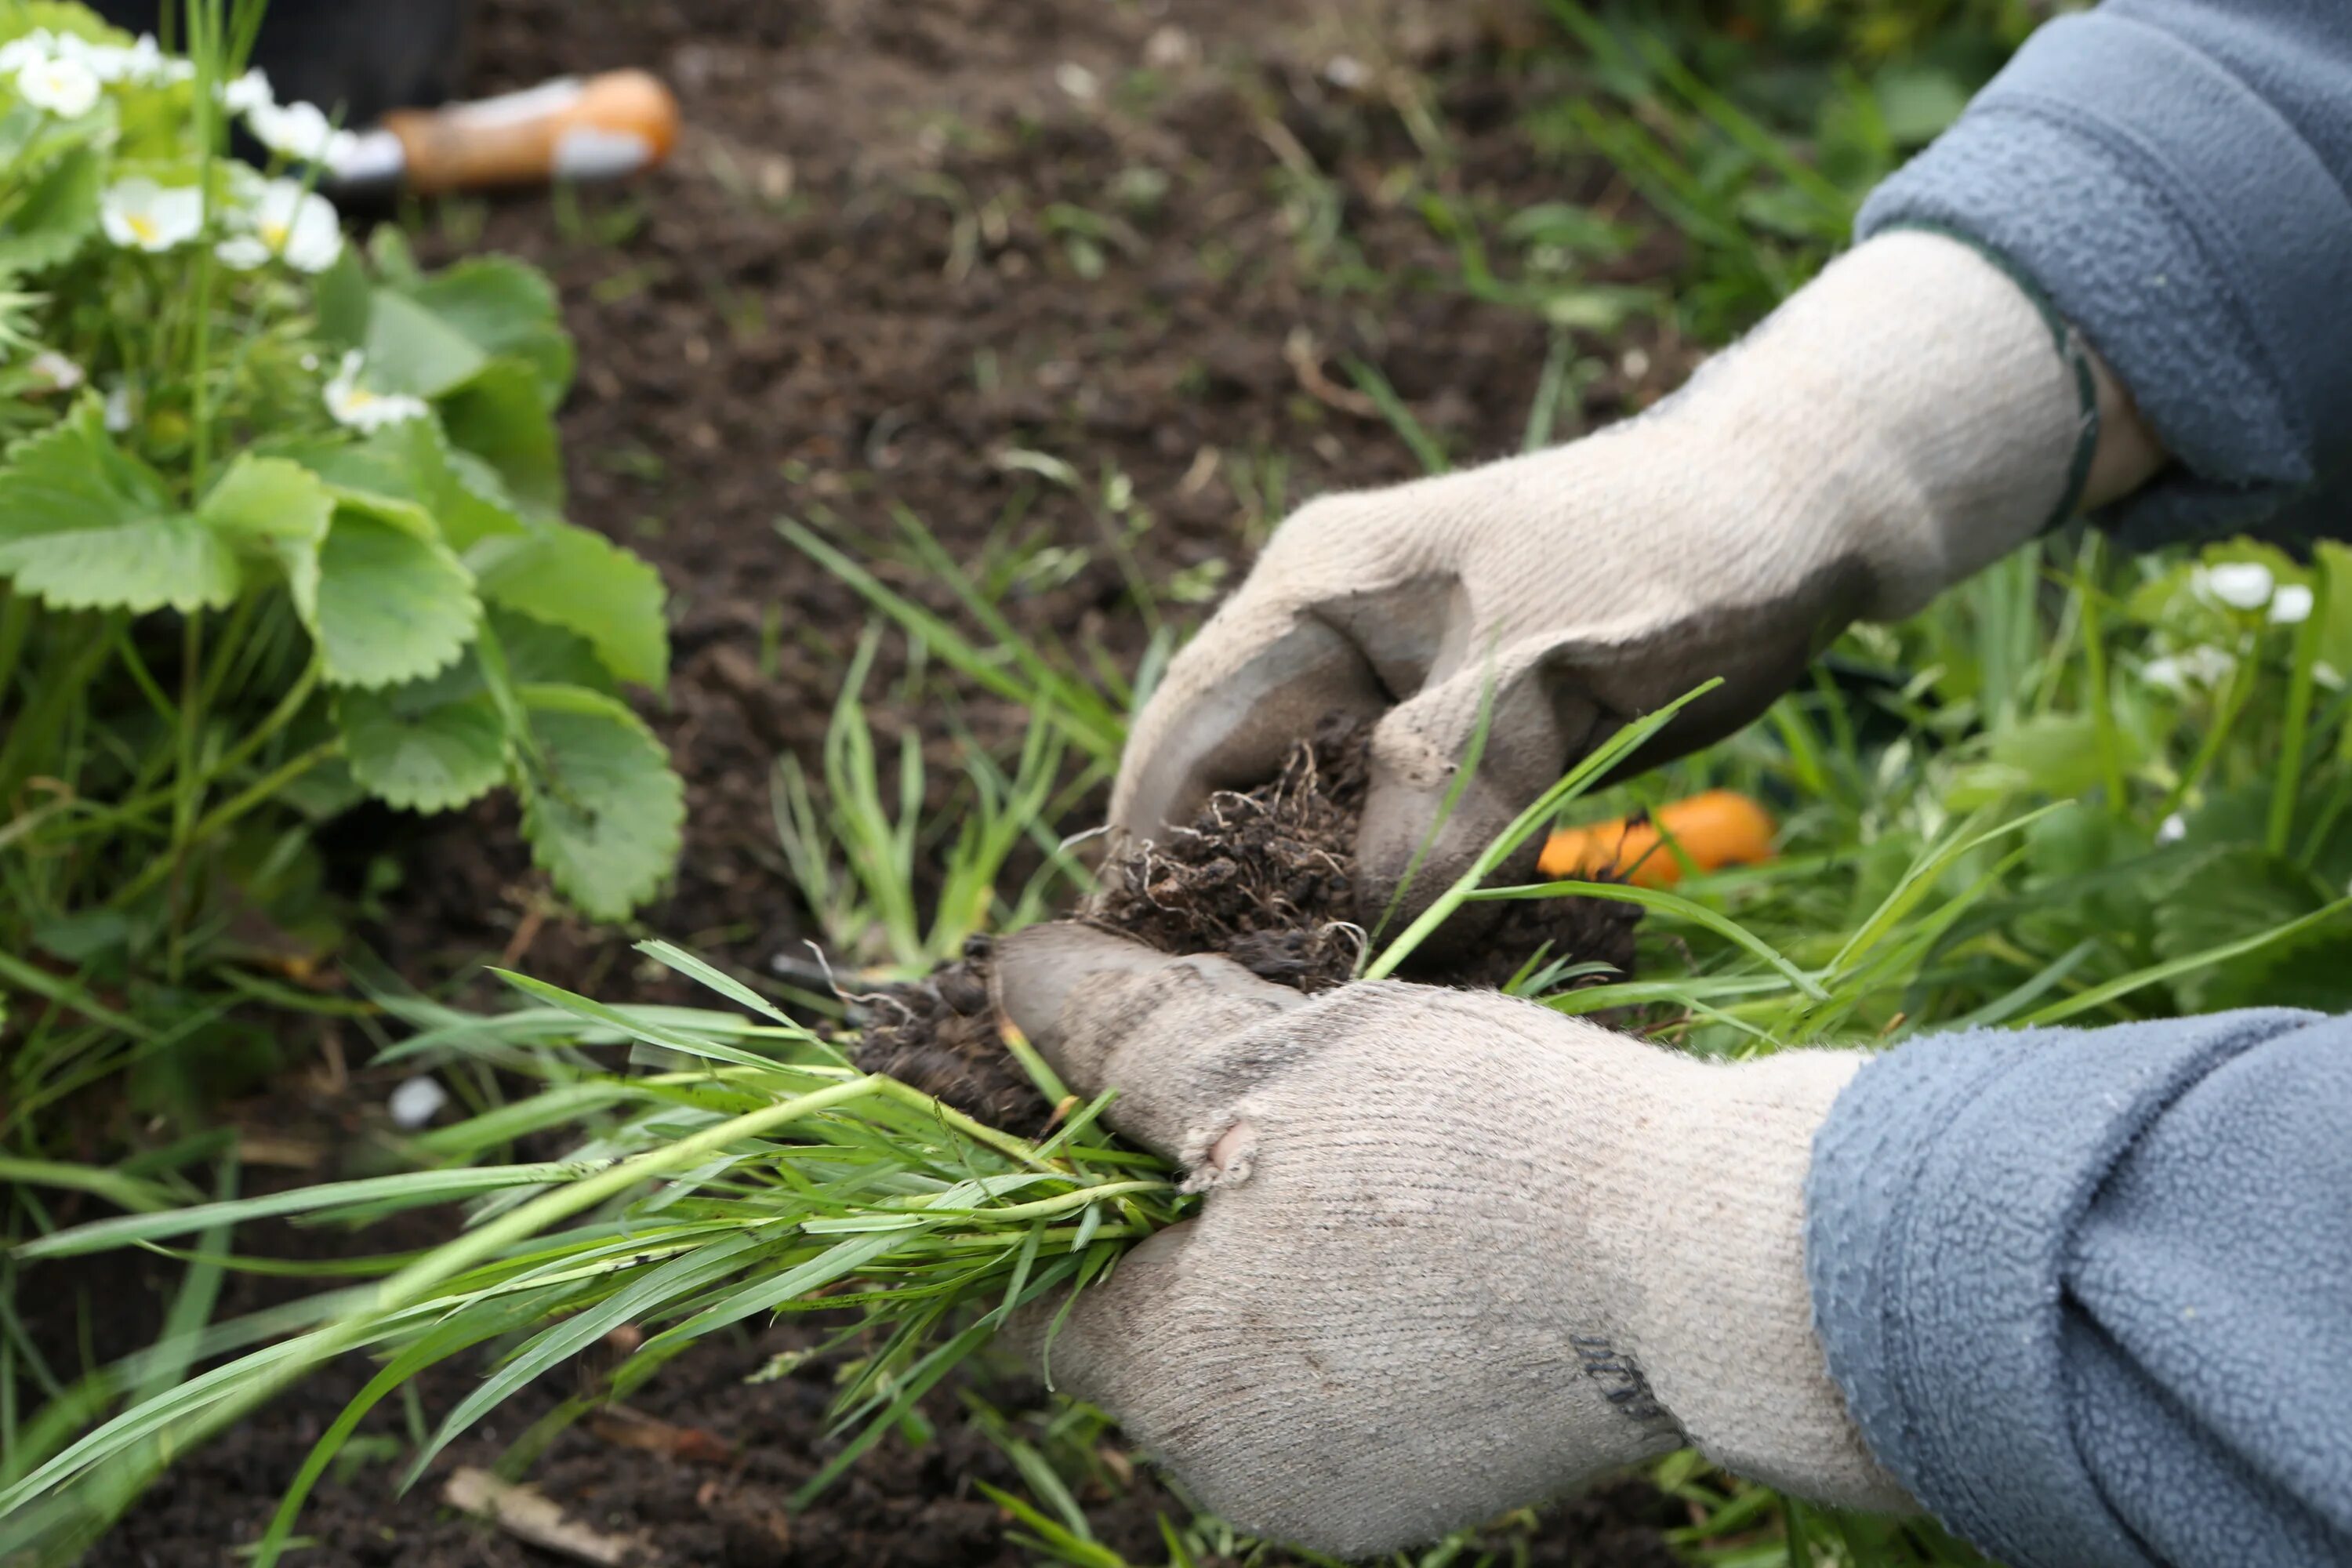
{"x":1719,"y":827}
{"x":594,"y":128}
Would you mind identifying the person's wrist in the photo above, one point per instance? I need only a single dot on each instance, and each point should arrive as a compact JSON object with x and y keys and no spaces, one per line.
{"x":1719,"y":1313}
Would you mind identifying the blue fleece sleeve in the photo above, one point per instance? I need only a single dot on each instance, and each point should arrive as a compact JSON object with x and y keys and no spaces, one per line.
{"x":2176,"y":176}
{"x":2089,"y":1292}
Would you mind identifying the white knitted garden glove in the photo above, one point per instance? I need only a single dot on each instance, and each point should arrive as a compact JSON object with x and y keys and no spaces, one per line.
{"x":1458,"y":1253}
{"x":1907,"y":419}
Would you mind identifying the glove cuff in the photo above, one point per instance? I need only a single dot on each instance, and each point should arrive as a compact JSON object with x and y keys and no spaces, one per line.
{"x":1721,"y":1315}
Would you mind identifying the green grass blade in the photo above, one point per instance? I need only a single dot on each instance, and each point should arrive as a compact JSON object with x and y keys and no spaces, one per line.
{"x":2172,"y":969}
{"x":409,"y":1189}
{"x":1594,"y":767}
{"x":1666,"y":903}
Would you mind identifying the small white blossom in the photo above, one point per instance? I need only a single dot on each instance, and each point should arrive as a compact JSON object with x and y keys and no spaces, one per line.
{"x":142,"y":62}
{"x":65,"y":88}
{"x":60,"y":373}
{"x":139,"y":214}
{"x":2291,"y":605}
{"x":117,"y":409}
{"x":2196,"y":666}
{"x":1077,"y":81}
{"x":300,"y":132}
{"x":289,"y":222}
{"x":362,"y":409}
{"x":2240,"y":584}
{"x":2327,"y":675}
{"x":414,"y":1102}
{"x":145,"y":62}
{"x":1347,"y":73}
{"x":248,"y":92}
{"x":2172,"y":829}
{"x":31,"y":50}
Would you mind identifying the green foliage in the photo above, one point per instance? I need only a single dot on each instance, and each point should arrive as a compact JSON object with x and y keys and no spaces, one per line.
{"x":861,"y":855}
{"x":600,"y":805}
{"x":1757,"y":135}
{"x":758,"y":1177}
{"x":267,"y":515}
{"x":2078,"y":789}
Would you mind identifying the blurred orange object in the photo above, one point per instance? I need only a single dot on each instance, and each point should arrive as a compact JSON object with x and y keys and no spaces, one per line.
{"x":1720,"y":827}
{"x":595,"y":129}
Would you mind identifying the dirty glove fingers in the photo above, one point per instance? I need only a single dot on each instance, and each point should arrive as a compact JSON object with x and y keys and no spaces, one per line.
{"x":1525,"y":716}
{"x":1257,"y":680}
{"x":1112,"y":1013}
{"x":1512,"y":736}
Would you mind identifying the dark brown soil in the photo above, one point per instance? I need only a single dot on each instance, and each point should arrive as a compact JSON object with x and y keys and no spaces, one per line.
{"x":853,"y":293}
{"x":1265,"y":877}
{"x":860,"y":288}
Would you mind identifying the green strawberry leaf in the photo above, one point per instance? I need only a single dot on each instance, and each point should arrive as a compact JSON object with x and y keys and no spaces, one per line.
{"x":269,"y":501}
{"x":410,"y":349}
{"x":466,"y":497}
{"x":387,"y":608}
{"x":54,"y":215}
{"x":406,"y":474}
{"x":85,"y":525}
{"x":539,"y":654}
{"x":342,"y":299}
{"x":498,"y":416}
{"x":431,"y":745}
{"x":600,"y":808}
{"x":505,"y":310}
{"x":571,"y":577}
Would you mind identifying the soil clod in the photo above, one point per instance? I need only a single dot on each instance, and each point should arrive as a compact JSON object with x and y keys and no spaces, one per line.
{"x":1265,"y":877}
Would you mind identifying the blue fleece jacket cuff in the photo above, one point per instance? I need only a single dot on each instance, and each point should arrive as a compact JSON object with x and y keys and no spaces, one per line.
{"x":2181,"y":223}
{"x":1946,"y":1189}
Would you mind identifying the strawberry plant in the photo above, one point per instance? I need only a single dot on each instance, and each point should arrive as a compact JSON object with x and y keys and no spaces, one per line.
{"x":280,"y":531}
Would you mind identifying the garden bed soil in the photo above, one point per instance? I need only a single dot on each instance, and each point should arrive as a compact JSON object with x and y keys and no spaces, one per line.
{"x":859,"y":289}
{"x":851,"y":297}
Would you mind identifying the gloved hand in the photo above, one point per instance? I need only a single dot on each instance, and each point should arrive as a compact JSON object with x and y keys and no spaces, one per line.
{"x":1903,"y":420}
{"x":1458,"y":1253}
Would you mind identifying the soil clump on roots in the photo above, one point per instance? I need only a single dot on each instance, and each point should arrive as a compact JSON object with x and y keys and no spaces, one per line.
{"x":1268,"y":877}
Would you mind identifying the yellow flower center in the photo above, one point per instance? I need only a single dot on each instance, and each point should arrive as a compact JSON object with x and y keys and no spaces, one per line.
{"x":273,"y":235}
{"x":142,"y":228}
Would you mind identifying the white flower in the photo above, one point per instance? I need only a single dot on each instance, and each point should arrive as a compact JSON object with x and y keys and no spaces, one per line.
{"x":139,"y":214}
{"x":65,"y":88}
{"x":117,"y":410}
{"x":2172,"y":829}
{"x":31,"y":50}
{"x":300,"y":130}
{"x":143,"y":61}
{"x":2240,"y":584}
{"x":248,"y":92}
{"x":362,"y":409}
{"x":2290,"y":605}
{"x":287,"y":221}
{"x":2199,"y":666}
{"x":61,"y":374}
{"x":2327,"y":675}
{"x":1347,"y":73}
{"x":414,"y":1102}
